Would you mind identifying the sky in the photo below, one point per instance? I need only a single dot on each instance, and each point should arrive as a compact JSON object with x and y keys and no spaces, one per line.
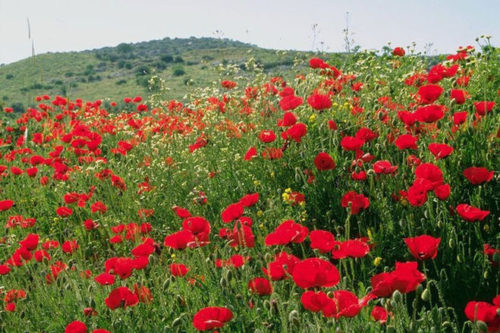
{"x":75,"y":25}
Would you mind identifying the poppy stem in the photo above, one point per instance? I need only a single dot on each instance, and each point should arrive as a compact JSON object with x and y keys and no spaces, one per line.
{"x":348,"y":226}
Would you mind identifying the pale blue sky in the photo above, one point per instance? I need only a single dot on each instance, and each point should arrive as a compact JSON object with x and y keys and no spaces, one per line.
{"x":69,"y":25}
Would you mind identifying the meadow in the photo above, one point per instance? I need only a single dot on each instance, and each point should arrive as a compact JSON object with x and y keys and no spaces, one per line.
{"x":358,"y":195}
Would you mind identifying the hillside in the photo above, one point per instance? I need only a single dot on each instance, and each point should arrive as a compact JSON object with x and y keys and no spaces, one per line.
{"x":123,"y":70}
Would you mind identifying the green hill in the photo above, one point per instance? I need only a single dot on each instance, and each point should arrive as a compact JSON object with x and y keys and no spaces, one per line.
{"x":124,"y":70}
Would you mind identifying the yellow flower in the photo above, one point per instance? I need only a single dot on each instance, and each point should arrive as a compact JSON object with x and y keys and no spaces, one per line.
{"x":260,"y":213}
{"x":312,"y":118}
{"x":377,"y":261}
{"x":256,"y":183}
{"x":172,"y":256}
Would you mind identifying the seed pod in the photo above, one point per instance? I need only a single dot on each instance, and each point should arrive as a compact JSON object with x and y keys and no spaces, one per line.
{"x":426,"y":295}
{"x":397,"y":296}
{"x":293,"y":318}
{"x":451,"y":243}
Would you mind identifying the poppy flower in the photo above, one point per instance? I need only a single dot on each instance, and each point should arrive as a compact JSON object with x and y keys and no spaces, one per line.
{"x":143,"y":294}
{"x":180,"y":240}
{"x":315,"y":301}
{"x":459,"y":96}
{"x":429,"y":93}
{"x":471,"y":213}
{"x":323,"y":161}
{"x":484,"y":107}
{"x":384,"y":167}
{"x":76,"y":327}
{"x":251,"y":152}
{"x":178,"y":269}
{"x":459,"y":117}
{"x":290,"y":102}
{"x":199,"y":227}
{"x":227,"y":84}
{"x":30,"y":242}
{"x":322,"y":240}
{"x":121,"y":297}
{"x":281,"y":267}
{"x":379,"y":314}
{"x":423,"y":247}
{"x":267,"y":136}
{"x":232,"y":212}
{"x":477,"y":175}
{"x":353,"y":248}
{"x":260,"y":286}
{"x":105,"y":279}
{"x":64,"y":211}
{"x":319,"y":102}
{"x":429,"y":113}
{"x":398,"y":51}
{"x":296,"y":132}
{"x":287,"y":232}
{"x":406,"y":141}
{"x":249,"y":200}
{"x":70,"y":246}
{"x":442,"y":192}
{"x":4,"y":269}
{"x":6,"y":205}
{"x":431,"y":173}
{"x":440,"y":150}
{"x":212,"y":317}
{"x":366,"y":134}
{"x":356,"y":201}
{"x":317,"y":63}
{"x":405,"y":278}
{"x":351,"y":143}
{"x":485,"y":312}
{"x":315,"y":272}
{"x":289,"y":119}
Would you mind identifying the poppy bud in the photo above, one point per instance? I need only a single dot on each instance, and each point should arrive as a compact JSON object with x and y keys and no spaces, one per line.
{"x":425,"y":295}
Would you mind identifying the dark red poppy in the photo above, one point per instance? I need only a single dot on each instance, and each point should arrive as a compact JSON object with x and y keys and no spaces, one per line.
{"x":323,"y":161}
{"x":478,"y":175}
{"x":315,"y":272}
{"x":398,"y":51}
{"x":423,"y":247}
{"x":211,"y":317}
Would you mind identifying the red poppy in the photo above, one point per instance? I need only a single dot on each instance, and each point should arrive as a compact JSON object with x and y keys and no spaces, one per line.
{"x":353,"y":248}
{"x":398,"y":51}
{"x":105,"y":279}
{"x":406,"y":141}
{"x":323,"y":161}
{"x":76,"y":327}
{"x":211,"y":317}
{"x":379,"y":314}
{"x":471,"y":213}
{"x":70,"y":246}
{"x":180,"y":240}
{"x":296,"y":132}
{"x":429,"y":113}
{"x":228,"y":84}
{"x":351,"y":143}
{"x":315,"y":272}
{"x":319,"y":102}
{"x":267,"y":136}
{"x":178,"y":269}
{"x":356,"y":201}
{"x":6,"y":205}
{"x":287,"y":232}
{"x":484,"y":107}
{"x":459,"y":96}
{"x":423,"y":247}
{"x":64,"y":211}
{"x":322,"y":240}
{"x":30,"y":242}
{"x":198,"y":226}
{"x":249,"y":200}
{"x":429,"y":93}
{"x":405,"y":278}
{"x":317,"y":63}
{"x":290,"y":102}
{"x":232,"y":212}
{"x":440,"y":150}
{"x":121,"y":297}
{"x":315,"y":301}
{"x":260,"y":286}
{"x":251,"y":152}
{"x":384,"y":167}
{"x":477,"y":175}
{"x":431,"y":173}
{"x":485,"y":312}
{"x":289,"y":119}
{"x":281,"y":267}
{"x":442,"y":191}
